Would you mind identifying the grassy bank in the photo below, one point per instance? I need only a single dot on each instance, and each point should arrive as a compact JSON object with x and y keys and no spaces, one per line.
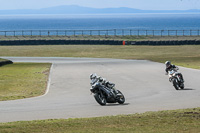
{"x":23,"y":80}
{"x":184,"y":121}
{"x":2,"y":59}
{"x":187,"y":55}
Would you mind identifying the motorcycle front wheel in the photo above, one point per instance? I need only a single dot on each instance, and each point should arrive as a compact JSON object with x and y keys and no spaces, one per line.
{"x":176,"y":85}
{"x":121,"y":98}
{"x":100,"y":98}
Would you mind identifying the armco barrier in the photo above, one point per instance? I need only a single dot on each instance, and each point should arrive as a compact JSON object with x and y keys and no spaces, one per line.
{"x":60,"y":42}
{"x":97,"y":42}
{"x":170,"y":42}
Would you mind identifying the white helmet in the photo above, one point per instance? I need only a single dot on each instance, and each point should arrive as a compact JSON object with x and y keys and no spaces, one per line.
{"x":93,"y":76}
{"x":168,"y":64}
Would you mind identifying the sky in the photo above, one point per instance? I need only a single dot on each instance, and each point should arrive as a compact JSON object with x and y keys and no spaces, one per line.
{"x":138,"y":4}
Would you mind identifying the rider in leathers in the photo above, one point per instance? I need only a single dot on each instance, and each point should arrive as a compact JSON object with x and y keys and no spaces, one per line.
{"x":94,"y":78}
{"x":170,"y":67}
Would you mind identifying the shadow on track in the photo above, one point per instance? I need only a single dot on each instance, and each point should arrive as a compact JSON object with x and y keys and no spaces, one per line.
{"x":112,"y":104}
{"x":186,"y":89}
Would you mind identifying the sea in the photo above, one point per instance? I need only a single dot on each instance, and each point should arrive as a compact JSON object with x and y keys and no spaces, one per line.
{"x":100,"y":22}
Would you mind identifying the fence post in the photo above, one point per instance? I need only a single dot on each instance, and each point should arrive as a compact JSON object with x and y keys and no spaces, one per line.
{"x":14,"y":33}
{"x":5,"y":33}
{"x":198,"y":32}
{"x":153,"y":32}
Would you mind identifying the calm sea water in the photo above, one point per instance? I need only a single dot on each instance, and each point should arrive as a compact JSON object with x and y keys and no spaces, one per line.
{"x":98,"y":22}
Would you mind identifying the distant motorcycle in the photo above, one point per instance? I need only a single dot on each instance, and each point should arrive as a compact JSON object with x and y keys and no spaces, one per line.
{"x":103,"y":94}
{"x":176,"y":79}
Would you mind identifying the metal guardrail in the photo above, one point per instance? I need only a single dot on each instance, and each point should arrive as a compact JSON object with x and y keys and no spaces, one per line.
{"x":96,"y":42}
{"x":112,"y":32}
{"x":59,"y":42}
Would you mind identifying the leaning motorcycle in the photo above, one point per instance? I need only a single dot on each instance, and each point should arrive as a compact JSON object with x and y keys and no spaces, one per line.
{"x":176,"y":79}
{"x":103,"y":94}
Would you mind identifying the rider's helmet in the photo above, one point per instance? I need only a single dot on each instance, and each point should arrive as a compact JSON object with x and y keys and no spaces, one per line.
{"x":93,"y":76}
{"x":168,"y":64}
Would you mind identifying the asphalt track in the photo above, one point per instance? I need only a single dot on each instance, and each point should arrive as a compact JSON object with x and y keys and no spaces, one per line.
{"x":143,"y":83}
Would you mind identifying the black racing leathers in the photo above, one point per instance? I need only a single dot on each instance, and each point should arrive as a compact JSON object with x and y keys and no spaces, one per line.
{"x":171,"y":67}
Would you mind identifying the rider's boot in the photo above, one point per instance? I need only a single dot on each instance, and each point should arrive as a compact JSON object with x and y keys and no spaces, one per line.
{"x":182,"y":80}
{"x":170,"y":79}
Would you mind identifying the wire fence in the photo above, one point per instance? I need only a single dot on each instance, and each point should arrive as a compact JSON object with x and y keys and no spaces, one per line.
{"x":112,"y":32}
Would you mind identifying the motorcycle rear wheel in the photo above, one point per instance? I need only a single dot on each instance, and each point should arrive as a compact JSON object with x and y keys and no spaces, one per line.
{"x":100,"y":99}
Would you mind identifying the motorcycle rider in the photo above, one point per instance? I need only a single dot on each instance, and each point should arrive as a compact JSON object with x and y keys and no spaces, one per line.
{"x":94,"y":78}
{"x":170,"y":67}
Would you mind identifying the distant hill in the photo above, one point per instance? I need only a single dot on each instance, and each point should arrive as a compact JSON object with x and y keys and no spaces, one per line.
{"x":73,"y":9}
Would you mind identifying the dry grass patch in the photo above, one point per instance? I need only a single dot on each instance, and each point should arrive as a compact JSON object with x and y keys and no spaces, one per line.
{"x":23,"y":80}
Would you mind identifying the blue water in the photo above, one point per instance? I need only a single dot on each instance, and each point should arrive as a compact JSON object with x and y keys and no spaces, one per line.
{"x":98,"y":22}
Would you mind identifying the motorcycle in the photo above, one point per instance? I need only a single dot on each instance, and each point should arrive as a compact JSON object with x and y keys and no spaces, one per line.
{"x":176,"y":79}
{"x":103,"y":94}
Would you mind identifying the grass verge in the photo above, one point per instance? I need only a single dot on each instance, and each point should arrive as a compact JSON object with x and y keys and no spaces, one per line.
{"x":183,"y":121}
{"x":2,"y":59}
{"x":23,"y":80}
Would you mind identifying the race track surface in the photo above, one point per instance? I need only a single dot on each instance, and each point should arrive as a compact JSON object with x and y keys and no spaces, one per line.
{"x":144,"y":84}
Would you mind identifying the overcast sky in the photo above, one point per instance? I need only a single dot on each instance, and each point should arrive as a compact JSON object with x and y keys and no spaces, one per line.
{"x":138,"y":4}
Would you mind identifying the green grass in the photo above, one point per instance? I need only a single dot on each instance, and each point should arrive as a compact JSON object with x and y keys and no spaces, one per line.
{"x":2,"y":59}
{"x":23,"y":80}
{"x":178,"y":121}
